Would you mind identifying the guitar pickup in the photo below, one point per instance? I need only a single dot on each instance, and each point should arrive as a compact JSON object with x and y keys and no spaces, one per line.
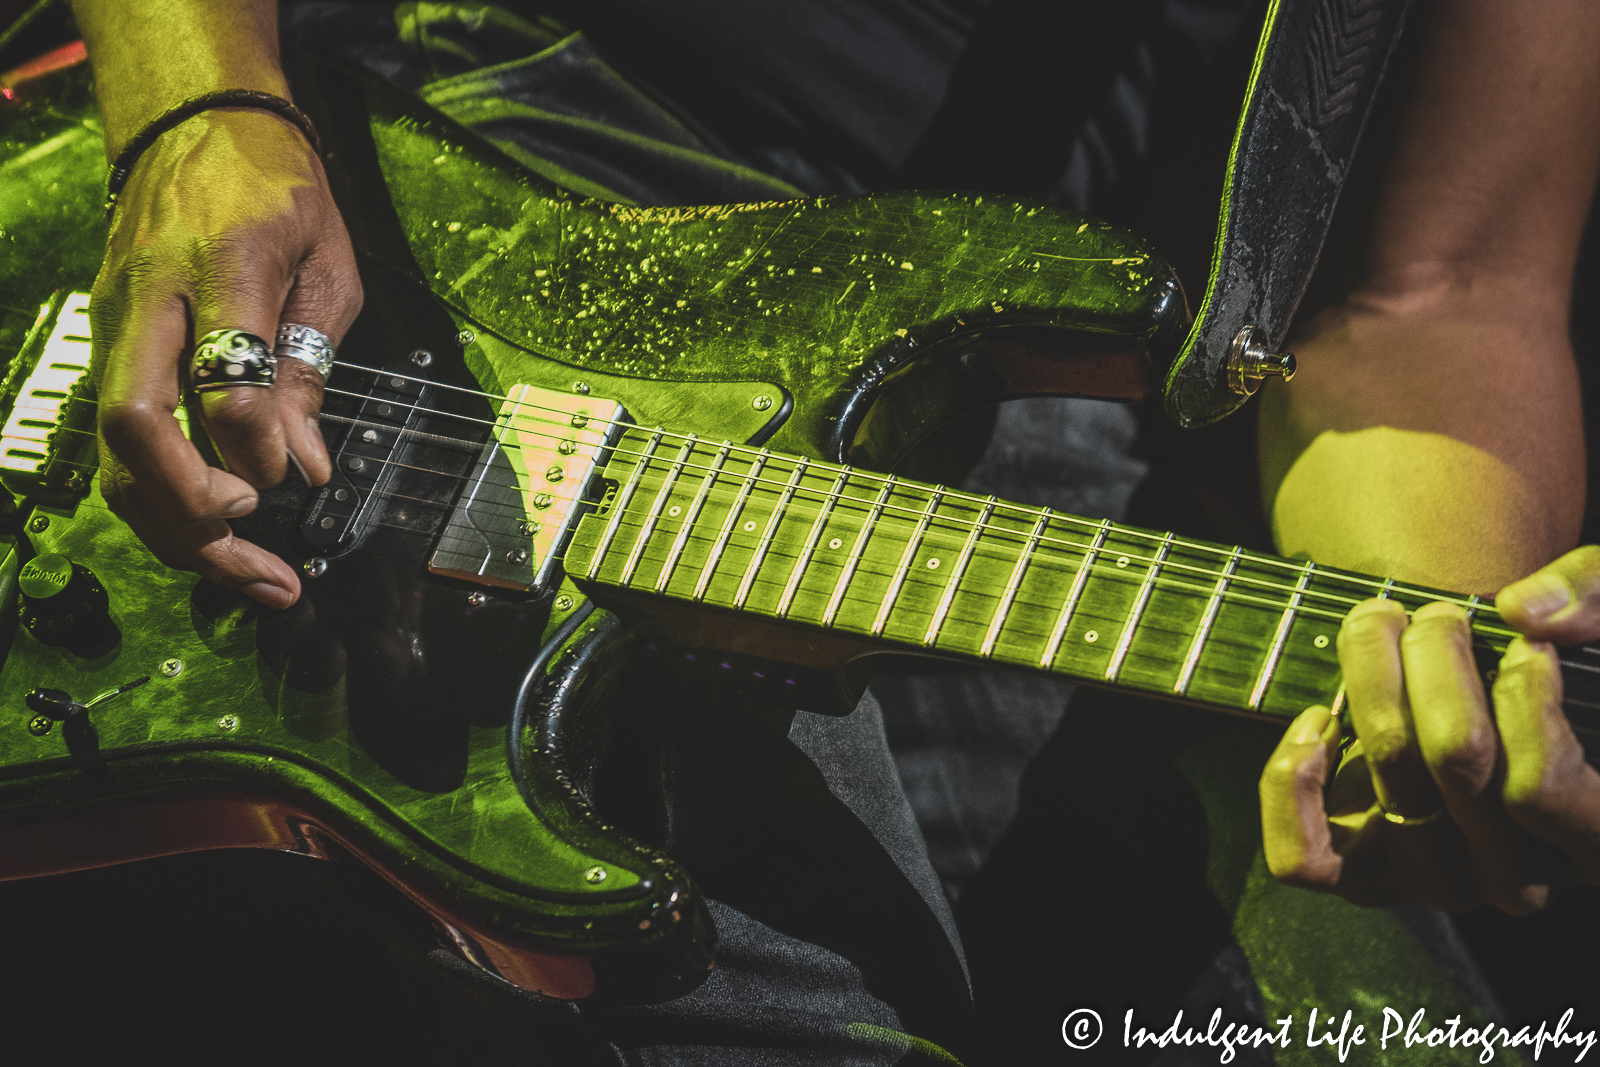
{"x":369,"y":455}
{"x":46,"y":445}
{"x":527,"y":489}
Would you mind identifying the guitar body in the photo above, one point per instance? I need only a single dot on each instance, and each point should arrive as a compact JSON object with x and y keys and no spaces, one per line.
{"x":444,"y":729}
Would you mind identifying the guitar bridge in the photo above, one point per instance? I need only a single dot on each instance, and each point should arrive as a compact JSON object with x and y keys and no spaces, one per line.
{"x":527,"y":489}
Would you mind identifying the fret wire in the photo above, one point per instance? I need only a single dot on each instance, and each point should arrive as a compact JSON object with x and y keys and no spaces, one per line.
{"x":1337,"y":708}
{"x":1268,"y":561}
{"x":1010,"y":594}
{"x":913,"y":546}
{"x":1232,"y":596}
{"x":1192,"y":660}
{"x":648,"y":529}
{"x":1053,"y":645}
{"x":690,"y":515}
{"x":1271,"y":665}
{"x":937,"y":623}
{"x":856,"y":548}
{"x":760,"y":554}
{"x":1188,"y":588}
{"x":619,"y":507}
{"x":1143,"y":598}
{"x":809,"y":548}
{"x":735,"y":510}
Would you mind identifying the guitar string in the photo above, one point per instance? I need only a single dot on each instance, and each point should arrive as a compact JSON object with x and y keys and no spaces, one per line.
{"x":906,"y":509}
{"x":1107,"y":569}
{"x":952,"y":494}
{"x":948,"y":494}
{"x":880,"y":478}
{"x":1110,"y":570}
{"x":1021,"y":629}
{"x":951,"y":540}
{"x":1085,"y":524}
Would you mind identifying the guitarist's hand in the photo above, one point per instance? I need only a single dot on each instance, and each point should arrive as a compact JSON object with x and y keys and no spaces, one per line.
{"x":1521,"y":807}
{"x":227,"y":223}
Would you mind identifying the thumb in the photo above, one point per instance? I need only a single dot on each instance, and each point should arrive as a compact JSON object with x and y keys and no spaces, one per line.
{"x":1294,"y":822}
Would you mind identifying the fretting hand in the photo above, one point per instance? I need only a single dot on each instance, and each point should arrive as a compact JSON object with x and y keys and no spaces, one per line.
{"x":1518,"y":808}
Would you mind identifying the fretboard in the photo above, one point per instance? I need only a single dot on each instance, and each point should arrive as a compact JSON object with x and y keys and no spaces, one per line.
{"x":930,"y":569}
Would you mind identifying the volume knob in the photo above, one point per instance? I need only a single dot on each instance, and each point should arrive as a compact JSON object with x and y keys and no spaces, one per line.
{"x":64,"y":604}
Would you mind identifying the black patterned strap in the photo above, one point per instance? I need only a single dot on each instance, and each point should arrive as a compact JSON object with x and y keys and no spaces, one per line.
{"x":1315,"y":79}
{"x":188,"y":109}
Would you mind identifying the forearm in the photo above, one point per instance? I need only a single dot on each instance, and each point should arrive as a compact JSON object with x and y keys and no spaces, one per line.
{"x":151,"y":54}
{"x":1434,"y":431}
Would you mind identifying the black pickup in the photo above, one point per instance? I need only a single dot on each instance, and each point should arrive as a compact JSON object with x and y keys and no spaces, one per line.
{"x":370,"y":452}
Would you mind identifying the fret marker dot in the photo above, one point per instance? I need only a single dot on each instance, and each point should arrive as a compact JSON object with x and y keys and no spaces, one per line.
{"x":1122,"y":561}
{"x":1092,"y":636}
{"x":674,"y":510}
{"x":1321,"y":641}
{"x":933,"y":564}
{"x":751,"y":525}
{"x":835,"y":543}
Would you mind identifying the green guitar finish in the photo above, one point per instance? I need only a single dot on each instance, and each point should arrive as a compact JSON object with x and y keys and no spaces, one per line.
{"x":373,"y":717}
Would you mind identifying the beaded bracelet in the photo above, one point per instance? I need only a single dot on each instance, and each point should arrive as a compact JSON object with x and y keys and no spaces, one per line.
{"x":248,"y":98}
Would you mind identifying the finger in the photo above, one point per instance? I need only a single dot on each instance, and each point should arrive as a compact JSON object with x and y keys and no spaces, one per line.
{"x":139,"y":393}
{"x":1559,"y":602}
{"x":240,"y":289}
{"x":298,"y":395}
{"x":1369,"y":652}
{"x":207,"y":547}
{"x":1450,"y":714}
{"x":1294,"y":825}
{"x":1549,"y":788}
{"x":326,"y":296}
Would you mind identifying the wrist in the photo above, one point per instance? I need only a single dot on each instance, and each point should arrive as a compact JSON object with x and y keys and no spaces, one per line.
{"x":150,"y":57}
{"x":207,"y":105}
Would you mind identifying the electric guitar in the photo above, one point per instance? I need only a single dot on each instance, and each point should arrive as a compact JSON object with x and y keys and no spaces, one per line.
{"x":558,"y":424}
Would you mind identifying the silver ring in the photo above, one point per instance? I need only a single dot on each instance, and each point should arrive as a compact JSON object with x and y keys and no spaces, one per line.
{"x":307,"y":345}
{"x":224,"y":359}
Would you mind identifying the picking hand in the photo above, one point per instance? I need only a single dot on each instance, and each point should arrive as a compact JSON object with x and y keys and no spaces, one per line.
{"x":1519,"y":806}
{"x":225,"y":223}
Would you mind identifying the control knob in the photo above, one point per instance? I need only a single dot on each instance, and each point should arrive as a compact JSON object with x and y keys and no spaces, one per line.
{"x":64,"y":604}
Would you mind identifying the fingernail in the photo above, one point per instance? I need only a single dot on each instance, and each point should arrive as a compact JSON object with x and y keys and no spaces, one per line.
{"x":272,"y":596}
{"x":1309,"y":726}
{"x":1540,"y":595}
{"x":240,"y":508}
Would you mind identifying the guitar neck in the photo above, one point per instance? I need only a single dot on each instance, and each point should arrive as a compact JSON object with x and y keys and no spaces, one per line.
{"x":927,"y":569}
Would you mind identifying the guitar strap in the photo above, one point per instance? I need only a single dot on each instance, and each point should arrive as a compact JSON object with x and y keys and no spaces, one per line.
{"x":1311,"y":89}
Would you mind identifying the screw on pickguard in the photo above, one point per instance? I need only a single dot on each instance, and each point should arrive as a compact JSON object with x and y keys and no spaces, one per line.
{"x":369,"y":453}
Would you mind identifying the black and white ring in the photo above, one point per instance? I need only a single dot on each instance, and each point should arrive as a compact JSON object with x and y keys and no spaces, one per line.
{"x":307,"y":345}
{"x":226,"y":358}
